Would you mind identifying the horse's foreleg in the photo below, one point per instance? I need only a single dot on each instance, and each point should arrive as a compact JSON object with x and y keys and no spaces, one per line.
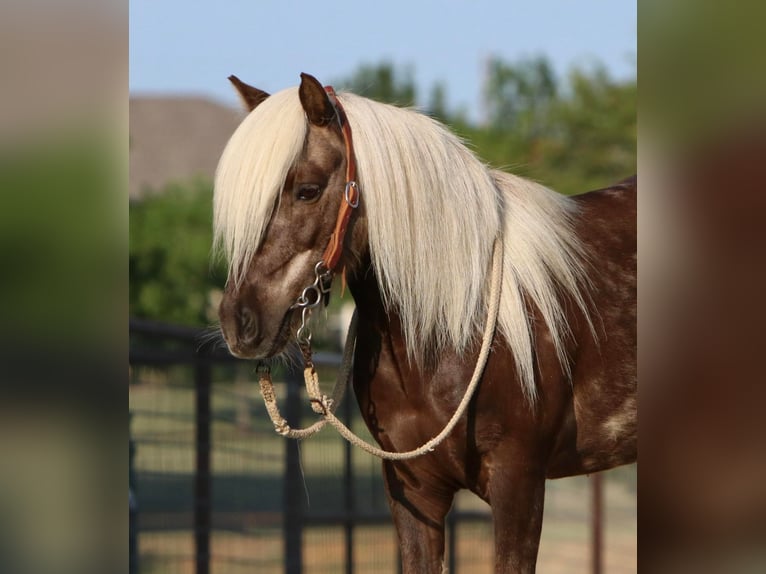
{"x":517,"y":495}
{"x":418,"y":514}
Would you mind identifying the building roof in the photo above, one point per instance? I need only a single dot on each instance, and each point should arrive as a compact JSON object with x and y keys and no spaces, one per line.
{"x":176,"y":139}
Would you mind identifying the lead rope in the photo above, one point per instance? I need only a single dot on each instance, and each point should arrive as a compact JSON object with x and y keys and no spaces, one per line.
{"x":324,"y":405}
{"x":270,"y":400}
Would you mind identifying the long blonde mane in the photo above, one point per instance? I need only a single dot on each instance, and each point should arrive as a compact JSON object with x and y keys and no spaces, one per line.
{"x":433,"y":212}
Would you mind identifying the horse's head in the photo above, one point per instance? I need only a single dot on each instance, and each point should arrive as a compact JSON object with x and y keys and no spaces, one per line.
{"x":297,"y":218}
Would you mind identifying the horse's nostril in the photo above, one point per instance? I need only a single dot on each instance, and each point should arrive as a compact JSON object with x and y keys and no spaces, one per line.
{"x":248,"y":326}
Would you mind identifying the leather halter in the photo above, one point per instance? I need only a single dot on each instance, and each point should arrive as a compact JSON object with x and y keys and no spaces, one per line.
{"x":350,"y":201}
{"x":319,"y":291}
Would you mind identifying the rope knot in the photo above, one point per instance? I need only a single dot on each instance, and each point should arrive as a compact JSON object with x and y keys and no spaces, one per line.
{"x":317,"y":406}
{"x":321,"y":405}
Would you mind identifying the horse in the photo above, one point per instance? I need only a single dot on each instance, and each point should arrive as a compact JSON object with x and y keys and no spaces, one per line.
{"x":411,"y":219}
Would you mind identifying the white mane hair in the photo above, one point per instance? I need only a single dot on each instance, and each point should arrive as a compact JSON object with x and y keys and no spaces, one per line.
{"x":433,"y":212}
{"x":251,"y":173}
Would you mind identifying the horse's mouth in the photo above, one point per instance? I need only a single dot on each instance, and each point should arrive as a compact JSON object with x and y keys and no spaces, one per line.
{"x":262,"y":349}
{"x":283,"y":334}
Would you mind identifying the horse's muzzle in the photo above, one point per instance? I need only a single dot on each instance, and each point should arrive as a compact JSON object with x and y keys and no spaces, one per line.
{"x":239,"y":325}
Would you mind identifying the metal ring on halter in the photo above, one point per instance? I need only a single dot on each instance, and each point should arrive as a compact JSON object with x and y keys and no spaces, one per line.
{"x":347,"y":195}
{"x":304,"y":302}
{"x":318,"y":289}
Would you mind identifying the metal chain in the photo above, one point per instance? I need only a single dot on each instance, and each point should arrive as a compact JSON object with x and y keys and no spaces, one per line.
{"x":310,"y":298}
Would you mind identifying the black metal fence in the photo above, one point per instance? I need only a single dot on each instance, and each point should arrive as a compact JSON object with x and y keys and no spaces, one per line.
{"x":214,"y":489}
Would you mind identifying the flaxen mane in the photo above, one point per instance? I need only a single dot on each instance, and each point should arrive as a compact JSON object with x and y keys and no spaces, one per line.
{"x":433,"y":211}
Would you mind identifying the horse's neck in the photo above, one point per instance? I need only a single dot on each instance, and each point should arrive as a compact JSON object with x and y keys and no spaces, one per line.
{"x":377,"y":326}
{"x":380,"y":344}
{"x":363,"y":286}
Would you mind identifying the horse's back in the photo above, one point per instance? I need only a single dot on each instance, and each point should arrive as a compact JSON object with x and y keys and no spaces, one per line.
{"x":613,"y":208}
{"x":606,"y":226}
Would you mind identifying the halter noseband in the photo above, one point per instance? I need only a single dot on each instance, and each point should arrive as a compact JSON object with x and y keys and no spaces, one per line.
{"x":319,"y":290}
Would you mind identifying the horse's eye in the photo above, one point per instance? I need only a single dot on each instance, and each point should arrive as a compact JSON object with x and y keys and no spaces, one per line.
{"x":308,"y":192}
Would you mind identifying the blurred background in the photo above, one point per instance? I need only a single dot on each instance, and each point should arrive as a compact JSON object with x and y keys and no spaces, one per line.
{"x":65,"y":294}
{"x":546,"y":90}
{"x":66,"y":297}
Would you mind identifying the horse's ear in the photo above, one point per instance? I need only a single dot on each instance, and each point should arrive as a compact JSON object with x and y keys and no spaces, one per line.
{"x":315,"y":102}
{"x":250,"y":96}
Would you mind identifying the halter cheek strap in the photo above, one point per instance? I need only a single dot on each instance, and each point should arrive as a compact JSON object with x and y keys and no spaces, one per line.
{"x":350,"y":201}
{"x":319,"y":291}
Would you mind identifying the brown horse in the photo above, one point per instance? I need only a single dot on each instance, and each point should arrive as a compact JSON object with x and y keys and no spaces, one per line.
{"x":558,"y":393}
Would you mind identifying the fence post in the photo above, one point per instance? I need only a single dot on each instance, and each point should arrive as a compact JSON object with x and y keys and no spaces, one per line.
{"x":451,"y":540}
{"x":202,"y":477}
{"x":348,"y":487}
{"x":597,"y":523}
{"x":293,"y":490}
{"x":132,"y":507}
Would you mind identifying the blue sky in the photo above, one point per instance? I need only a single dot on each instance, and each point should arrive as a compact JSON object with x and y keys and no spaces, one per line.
{"x":190,"y":47}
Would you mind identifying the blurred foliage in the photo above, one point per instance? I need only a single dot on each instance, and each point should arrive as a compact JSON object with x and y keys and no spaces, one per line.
{"x":382,"y":82}
{"x":171,"y":274}
{"x":518,"y":97}
{"x":592,"y":140}
{"x":62,"y":235}
{"x":700,"y":70}
{"x":572,"y":135}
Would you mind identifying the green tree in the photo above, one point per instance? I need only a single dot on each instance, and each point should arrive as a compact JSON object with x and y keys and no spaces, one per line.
{"x":518,"y":96}
{"x":384,"y":83}
{"x":62,"y":237}
{"x":437,"y":105}
{"x":171,"y":277}
{"x":595,"y":131}
{"x":572,"y":135}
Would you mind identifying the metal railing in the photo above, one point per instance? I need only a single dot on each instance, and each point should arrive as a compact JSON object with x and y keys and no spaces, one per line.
{"x":149,"y":347}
